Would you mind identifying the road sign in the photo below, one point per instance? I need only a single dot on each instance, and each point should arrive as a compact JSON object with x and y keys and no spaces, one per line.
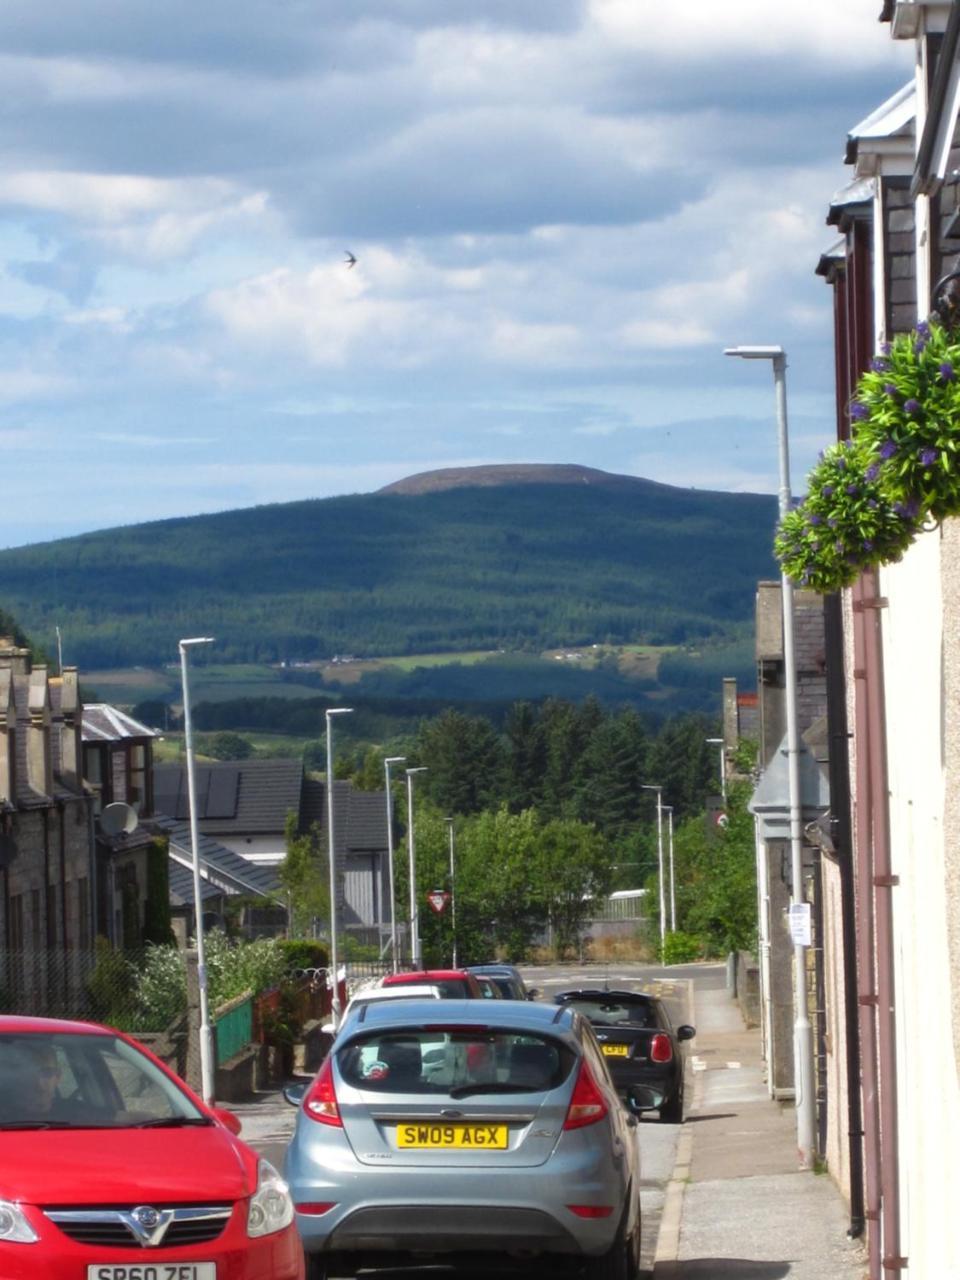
{"x":721,"y":819}
{"x":438,"y":899}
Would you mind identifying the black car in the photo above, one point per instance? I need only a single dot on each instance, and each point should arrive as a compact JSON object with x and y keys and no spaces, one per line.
{"x":507,"y":978}
{"x":640,"y":1045}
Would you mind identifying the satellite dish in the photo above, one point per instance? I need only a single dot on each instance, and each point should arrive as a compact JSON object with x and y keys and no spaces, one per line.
{"x":118,"y":819}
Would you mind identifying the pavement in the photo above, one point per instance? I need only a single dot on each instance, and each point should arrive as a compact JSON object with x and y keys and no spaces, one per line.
{"x":737,"y":1206}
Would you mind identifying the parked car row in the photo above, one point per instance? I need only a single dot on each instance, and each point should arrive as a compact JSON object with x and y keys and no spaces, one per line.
{"x":434,"y":1081}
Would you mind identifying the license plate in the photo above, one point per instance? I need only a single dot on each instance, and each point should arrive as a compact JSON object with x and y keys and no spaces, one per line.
{"x":616,"y":1050}
{"x":153,"y":1271}
{"x":466,"y":1136}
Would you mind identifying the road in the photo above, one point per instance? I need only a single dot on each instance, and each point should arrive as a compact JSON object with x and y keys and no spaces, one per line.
{"x":658,"y":1141}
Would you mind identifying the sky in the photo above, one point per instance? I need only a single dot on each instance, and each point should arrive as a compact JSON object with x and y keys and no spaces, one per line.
{"x":561,"y":212}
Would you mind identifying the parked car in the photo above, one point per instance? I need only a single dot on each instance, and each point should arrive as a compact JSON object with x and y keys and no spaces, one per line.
{"x":640,"y":1045}
{"x":508,"y":979}
{"x":466,"y":1128}
{"x":373,"y":995}
{"x":453,"y":984}
{"x":112,"y":1168}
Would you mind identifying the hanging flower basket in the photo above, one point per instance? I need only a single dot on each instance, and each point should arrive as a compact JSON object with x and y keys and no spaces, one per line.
{"x":906,"y":413}
{"x":846,"y":523}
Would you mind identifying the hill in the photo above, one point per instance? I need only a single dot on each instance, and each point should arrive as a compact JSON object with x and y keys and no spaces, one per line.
{"x":546,"y":556}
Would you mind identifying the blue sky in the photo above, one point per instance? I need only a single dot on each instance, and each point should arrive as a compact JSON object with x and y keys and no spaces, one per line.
{"x":561,"y":210}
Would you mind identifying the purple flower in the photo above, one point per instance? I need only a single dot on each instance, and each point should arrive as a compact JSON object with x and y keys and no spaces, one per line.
{"x":873,"y":504}
{"x":907,"y":510}
{"x":890,"y":388}
{"x":838,"y":546}
{"x":946,"y":371}
{"x":868,"y":544}
{"x":879,"y":365}
{"x":911,"y":406}
{"x":872,"y":472}
{"x":815,"y":545}
{"x":928,"y":457}
{"x":853,"y":490}
{"x":815,"y":518}
{"x":888,"y":449}
{"x":885,"y":348}
{"x":841,"y":464}
{"x":832,"y":522}
{"x":827,"y":490}
{"x":859,"y":411}
{"x":923,"y":330}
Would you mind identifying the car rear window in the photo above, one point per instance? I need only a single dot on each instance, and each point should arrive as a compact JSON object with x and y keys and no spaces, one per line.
{"x":462,"y":1059}
{"x":611,"y":1013}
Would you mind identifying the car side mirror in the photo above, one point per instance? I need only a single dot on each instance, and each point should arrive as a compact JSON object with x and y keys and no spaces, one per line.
{"x":229,"y":1119}
{"x":533,"y":993}
{"x":293,"y":1093}
{"x":686,"y":1032}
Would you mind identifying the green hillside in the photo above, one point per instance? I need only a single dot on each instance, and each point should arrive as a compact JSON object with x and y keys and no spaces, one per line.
{"x":520,"y":566}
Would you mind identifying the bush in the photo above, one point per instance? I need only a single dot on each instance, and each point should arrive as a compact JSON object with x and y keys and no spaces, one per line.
{"x":681,"y":948}
{"x":301,"y":953}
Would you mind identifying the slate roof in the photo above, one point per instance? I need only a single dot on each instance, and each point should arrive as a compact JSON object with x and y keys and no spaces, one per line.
{"x":220,"y":868}
{"x":359,"y":817}
{"x":233,"y":797}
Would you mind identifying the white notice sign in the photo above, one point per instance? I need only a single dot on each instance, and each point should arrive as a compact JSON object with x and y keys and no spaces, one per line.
{"x":800,"y":924}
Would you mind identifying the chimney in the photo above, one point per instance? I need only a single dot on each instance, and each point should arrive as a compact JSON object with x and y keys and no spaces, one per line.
{"x":71,"y":744}
{"x":8,"y":738}
{"x":39,"y":769}
{"x":13,"y":658}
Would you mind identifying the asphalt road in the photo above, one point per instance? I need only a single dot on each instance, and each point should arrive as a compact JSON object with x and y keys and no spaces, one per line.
{"x":658,"y":1141}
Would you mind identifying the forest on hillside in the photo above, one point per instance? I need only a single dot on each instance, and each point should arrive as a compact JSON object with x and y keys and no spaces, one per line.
{"x":520,"y":567}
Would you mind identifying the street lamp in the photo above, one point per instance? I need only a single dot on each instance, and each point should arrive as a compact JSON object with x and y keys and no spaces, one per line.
{"x":332,"y":860}
{"x":668,"y":810}
{"x":206,"y":1033}
{"x":416,"y":962}
{"x":453,"y":893}
{"x":393,"y":900}
{"x":663,"y":907}
{"x":802,"y":1031}
{"x":718,"y":742}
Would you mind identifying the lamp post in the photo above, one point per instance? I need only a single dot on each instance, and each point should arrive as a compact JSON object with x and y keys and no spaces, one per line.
{"x":802,"y":1031}
{"x":663,"y":908}
{"x":453,"y":893}
{"x":415,"y":959}
{"x":718,"y":742}
{"x":206,"y":1033}
{"x":393,"y":898}
{"x":668,"y":810}
{"x":332,"y":860}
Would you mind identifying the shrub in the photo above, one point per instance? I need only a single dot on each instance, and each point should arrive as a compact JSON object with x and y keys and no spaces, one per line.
{"x":681,"y":948}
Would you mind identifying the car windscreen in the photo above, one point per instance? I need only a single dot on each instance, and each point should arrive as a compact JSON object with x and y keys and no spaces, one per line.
{"x":62,"y":1081}
{"x":615,"y":1012}
{"x":456,"y":1061}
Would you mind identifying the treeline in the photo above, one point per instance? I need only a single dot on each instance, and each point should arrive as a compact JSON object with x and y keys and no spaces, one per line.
{"x":522,"y":567}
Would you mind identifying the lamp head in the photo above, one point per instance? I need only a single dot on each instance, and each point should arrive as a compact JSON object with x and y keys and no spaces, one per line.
{"x":394,"y":759}
{"x":715,"y":742}
{"x":755,"y":353}
{"x":421,"y":768}
{"x":186,"y":644}
{"x":338,"y":711}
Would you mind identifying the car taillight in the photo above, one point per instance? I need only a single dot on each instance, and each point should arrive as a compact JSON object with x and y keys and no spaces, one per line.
{"x":661,"y":1050}
{"x":316,"y":1208}
{"x":321,"y":1101}
{"x":591,"y":1210}
{"x":587,"y":1105}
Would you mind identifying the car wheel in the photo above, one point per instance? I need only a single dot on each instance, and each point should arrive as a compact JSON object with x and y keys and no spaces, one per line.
{"x":620,"y":1262}
{"x":672,"y":1110}
{"x":328,"y":1266}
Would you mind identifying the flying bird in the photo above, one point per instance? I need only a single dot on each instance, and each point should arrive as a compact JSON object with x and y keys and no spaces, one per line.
{"x":349,"y":259}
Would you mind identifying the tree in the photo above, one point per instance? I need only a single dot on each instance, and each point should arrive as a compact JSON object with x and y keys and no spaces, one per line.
{"x":574,"y":868}
{"x":526,"y":757}
{"x":228,"y":746}
{"x":304,"y":874}
{"x":464,"y":759}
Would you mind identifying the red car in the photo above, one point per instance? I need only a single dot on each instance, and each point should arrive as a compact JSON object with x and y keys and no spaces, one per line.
{"x":112,"y":1169}
{"x":454,"y":984}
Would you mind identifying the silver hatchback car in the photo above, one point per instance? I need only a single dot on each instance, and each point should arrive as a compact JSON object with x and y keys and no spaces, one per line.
{"x":461,"y":1128}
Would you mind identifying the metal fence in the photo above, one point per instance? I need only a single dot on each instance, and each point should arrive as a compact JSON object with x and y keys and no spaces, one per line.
{"x":233,"y":1027}
{"x":54,"y":983}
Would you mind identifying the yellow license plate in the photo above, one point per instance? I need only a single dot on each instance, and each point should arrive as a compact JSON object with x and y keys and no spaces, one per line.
{"x":616,"y":1050}
{"x":467,"y":1136}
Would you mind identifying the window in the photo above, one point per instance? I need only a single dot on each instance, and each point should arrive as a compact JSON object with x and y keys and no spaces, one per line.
{"x":137,"y":778}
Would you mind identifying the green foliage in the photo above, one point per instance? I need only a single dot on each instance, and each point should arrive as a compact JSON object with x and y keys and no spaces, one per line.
{"x":681,"y":948}
{"x":302,"y":953}
{"x":472,"y":568}
{"x":305,"y":877}
{"x":156,"y":911}
{"x":846,"y":523}
{"x":227,"y":746}
{"x":464,"y":760}
{"x":907,"y":415}
{"x":746,"y":755}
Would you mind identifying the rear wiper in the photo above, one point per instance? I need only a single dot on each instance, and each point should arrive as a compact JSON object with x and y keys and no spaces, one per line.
{"x":169,"y":1122}
{"x":492,"y":1086}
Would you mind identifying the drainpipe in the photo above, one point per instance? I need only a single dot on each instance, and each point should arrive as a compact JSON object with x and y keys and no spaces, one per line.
{"x":866,"y":986}
{"x":883,"y":884}
{"x":842,"y":834}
